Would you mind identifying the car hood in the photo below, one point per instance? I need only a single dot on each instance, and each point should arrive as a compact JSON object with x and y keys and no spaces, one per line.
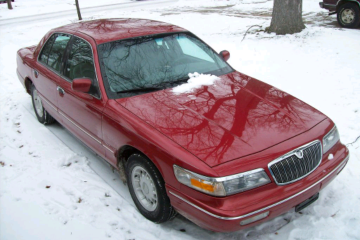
{"x":235,"y":117}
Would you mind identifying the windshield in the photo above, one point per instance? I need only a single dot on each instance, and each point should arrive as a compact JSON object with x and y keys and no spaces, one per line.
{"x":144,"y":64}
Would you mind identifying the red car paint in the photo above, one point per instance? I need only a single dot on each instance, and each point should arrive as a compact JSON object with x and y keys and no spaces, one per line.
{"x":238,"y":124}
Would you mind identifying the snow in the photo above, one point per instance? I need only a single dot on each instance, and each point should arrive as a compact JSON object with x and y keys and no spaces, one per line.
{"x":318,"y":65}
{"x":36,"y":7}
{"x":195,"y":81}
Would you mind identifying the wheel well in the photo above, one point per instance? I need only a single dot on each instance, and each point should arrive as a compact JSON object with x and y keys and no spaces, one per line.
{"x":28,"y":84}
{"x":340,"y":3}
{"x":123,"y":154}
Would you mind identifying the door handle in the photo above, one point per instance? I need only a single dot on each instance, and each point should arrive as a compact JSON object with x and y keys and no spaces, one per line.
{"x":60,"y":90}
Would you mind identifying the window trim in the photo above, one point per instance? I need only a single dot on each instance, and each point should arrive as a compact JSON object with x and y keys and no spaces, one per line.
{"x":61,"y":73}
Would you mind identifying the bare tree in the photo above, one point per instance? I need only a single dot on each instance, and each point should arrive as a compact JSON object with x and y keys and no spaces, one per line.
{"x":286,"y":17}
{"x":9,"y":4}
{"x":78,"y":9}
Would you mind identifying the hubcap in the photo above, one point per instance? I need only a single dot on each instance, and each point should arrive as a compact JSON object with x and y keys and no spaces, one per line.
{"x":348,"y":16}
{"x":144,"y":188}
{"x":38,"y":105}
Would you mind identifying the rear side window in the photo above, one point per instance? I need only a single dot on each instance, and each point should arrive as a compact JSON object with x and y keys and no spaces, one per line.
{"x":53,"y":51}
{"x":57,"y":51}
{"x":44,"y":55}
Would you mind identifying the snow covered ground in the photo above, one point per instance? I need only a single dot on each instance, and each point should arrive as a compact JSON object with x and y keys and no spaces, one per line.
{"x":52,"y":187}
{"x":23,"y":8}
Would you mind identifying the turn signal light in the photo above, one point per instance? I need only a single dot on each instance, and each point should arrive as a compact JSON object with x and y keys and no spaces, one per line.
{"x":202,"y":185}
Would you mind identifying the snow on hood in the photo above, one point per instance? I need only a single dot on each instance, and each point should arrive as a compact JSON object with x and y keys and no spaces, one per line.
{"x":196,"y":81}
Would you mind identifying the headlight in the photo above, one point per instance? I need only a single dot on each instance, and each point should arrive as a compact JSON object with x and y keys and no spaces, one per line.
{"x":330,"y":139}
{"x":222,"y":186}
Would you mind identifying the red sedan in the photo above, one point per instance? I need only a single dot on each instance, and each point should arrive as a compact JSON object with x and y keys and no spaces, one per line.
{"x":187,"y":132}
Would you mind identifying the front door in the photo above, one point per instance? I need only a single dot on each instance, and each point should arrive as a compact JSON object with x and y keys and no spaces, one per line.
{"x":81,"y":112}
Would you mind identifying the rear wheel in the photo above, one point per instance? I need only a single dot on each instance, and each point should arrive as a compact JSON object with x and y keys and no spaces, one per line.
{"x":348,"y":15}
{"x":147,"y":189}
{"x":42,"y":115}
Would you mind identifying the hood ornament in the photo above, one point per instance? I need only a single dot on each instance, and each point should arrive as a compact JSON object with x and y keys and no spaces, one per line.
{"x":299,"y":154}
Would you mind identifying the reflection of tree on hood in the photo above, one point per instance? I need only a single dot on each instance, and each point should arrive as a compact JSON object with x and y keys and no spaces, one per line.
{"x":246,"y":100}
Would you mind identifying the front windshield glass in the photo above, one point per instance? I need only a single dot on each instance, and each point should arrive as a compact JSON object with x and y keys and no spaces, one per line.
{"x":144,"y":64}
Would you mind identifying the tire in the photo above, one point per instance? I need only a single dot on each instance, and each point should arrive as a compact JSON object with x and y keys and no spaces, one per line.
{"x":348,"y":15}
{"x":42,"y":115}
{"x":150,"y":197}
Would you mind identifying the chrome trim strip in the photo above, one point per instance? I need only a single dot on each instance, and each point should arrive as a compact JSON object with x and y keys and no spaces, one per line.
{"x":84,"y":131}
{"x":50,"y":104}
{"x":291,"y":153}
{"x":97,"y":140}
{"x":107,"y":148}
{"x":265,"y":208}
{"x":221,"y":179}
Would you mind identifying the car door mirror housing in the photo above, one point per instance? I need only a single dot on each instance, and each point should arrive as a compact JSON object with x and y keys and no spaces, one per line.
{"x":225,"y":55}
{"x":81,"y":85}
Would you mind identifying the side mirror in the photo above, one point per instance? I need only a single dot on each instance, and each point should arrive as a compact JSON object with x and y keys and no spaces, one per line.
{"x":225,"y":55}
{"x":81,"y":85}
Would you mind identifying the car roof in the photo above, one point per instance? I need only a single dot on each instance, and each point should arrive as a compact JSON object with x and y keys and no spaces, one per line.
{"x":107,"y":30}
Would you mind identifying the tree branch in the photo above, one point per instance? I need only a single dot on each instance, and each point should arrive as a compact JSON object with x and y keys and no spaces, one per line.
{"x":248,"y":30}
{"x":353,"y":141}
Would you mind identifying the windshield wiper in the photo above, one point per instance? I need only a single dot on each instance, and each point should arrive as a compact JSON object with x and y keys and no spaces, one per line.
{"x":184,"y":79}
{"x":151,"y":89}
{"x":180,"y":80}
{"x":145,"y":89}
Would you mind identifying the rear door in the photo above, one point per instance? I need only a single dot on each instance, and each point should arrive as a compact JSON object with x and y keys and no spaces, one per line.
{"x":47,"y":70}
{"x":81,"y":112}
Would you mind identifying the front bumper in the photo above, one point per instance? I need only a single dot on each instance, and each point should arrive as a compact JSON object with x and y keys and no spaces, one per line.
{"x":226,"y":221}
{"x":330,"y":7}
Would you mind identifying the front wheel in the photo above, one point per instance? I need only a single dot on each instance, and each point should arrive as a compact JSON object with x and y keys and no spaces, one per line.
{"x":147,"y":189}
{"x":42,"y":115}
{"x":348,"y":15}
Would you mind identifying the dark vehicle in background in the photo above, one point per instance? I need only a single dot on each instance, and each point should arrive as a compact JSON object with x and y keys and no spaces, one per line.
{"x":348,"y":11}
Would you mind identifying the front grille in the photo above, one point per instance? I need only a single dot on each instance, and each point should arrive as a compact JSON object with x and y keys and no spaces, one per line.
{"x":296,"y":164}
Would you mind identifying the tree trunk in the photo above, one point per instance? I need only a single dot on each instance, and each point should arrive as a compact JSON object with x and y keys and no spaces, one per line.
{"x":9,"y":4}
{"x":287,"y":17}
{"x":78,"y":9}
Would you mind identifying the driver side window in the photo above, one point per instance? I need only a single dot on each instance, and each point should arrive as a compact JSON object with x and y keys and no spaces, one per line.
{"x":80,"y":63}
